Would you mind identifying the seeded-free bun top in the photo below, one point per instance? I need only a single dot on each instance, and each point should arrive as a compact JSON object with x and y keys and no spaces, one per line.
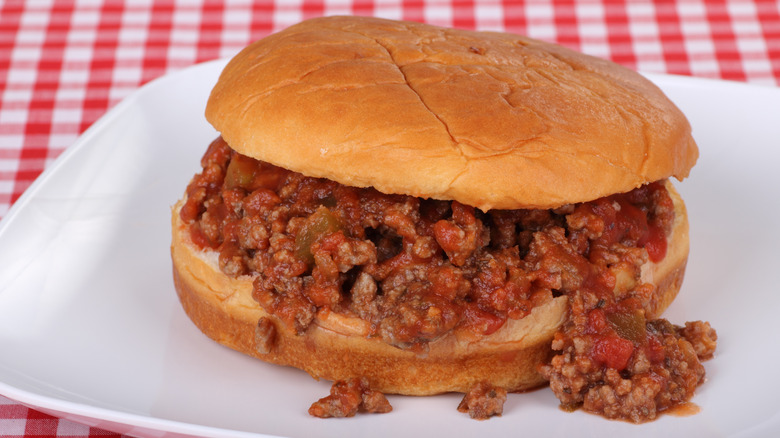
{"x":492,"y":120}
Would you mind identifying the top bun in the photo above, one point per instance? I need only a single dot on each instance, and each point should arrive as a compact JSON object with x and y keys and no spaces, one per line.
{"x":491,"y":120}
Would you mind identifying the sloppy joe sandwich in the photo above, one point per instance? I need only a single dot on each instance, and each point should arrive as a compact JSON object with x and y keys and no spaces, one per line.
{"x":415,"y":210}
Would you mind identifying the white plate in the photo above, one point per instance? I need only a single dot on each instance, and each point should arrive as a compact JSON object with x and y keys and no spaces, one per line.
{"x":90,"y":327}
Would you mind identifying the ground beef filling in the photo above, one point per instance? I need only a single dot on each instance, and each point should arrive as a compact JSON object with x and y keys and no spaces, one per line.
{"x":417,"y":269}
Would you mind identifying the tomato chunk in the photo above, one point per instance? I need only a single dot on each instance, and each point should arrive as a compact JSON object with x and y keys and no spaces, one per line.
{"x":612,"y":352}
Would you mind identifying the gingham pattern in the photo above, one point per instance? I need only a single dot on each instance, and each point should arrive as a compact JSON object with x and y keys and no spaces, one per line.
{"x":63,"y":64}
{"x":18,"y":421}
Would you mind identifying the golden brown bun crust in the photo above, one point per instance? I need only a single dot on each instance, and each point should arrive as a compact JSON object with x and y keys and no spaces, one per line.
{"x":491,"y":120}
{"x":336,"y":348}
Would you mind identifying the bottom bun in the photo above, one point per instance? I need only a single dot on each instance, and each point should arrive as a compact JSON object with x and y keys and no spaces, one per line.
{"x":337,"y":347}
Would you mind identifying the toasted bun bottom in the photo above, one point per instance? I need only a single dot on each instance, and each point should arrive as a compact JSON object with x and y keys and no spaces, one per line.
{"x":336,"y":347}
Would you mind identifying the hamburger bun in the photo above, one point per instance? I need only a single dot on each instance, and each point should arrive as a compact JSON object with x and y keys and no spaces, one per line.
{"x":490,"y":120}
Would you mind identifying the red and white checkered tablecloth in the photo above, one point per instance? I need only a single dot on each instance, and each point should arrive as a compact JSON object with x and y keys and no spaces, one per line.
{"x":63,"y":64}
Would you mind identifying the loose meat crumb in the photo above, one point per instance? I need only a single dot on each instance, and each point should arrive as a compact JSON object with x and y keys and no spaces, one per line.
{"x":347,"y":398}
{"x":483,"y":401}
{"x":703,"y":338}
{"x":604,"y":373}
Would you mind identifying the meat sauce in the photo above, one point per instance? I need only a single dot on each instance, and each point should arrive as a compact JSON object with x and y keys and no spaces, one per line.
{"x":418,"y":269}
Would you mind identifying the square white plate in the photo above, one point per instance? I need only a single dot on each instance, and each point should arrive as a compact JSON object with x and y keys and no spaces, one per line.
{"x":90,"y":327}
